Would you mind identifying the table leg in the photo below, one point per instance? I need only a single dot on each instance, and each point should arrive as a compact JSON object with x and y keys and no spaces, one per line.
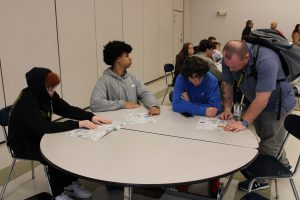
{"x":127,"y":193}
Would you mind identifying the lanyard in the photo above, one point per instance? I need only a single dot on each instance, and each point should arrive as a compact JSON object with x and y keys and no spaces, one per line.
{"x":240,"y":80}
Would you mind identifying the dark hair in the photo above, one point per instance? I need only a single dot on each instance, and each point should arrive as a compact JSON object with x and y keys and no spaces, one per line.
{"x":248,"y":22}
{"x":113,"y":50}
{"x":235,"y":47}
{"x":296,"y":28}
{"x":205,"y":44}
{"x":210,"y":38}
{"x":184,"y":52}
{"x":216,"y":44}
{"x":194,"y":66}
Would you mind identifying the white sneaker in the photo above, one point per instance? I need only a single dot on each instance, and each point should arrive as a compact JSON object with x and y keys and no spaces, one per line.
{"x":78,"y":190}
{"x":63,"y":196}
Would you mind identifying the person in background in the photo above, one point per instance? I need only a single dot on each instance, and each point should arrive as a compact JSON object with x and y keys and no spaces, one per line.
{"x":205,"y":52}
{"x":212,"y":39}
{"x":274,"y":27}
{"x":30,"y":118}
{"x":117,"y":88}
{"x":196,"y":90}
{"x":186,"y":51}
{"x":296,"y":35}
{"x":217,"y":54}
{"x":247,"y":29}
{"x":268,"y":98}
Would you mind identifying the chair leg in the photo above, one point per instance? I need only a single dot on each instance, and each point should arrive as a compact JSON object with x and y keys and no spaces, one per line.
{"x":47,"y":177}
{"x":294,"y":189}
{"x":7,"y":179}
{"x":165,"y":95}
{"x":250,"y":185}
{"x":32,"y":169}
{"x":276,"y":190}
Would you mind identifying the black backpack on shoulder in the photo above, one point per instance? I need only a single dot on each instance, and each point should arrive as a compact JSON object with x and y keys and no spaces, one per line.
{"x":288,"y":53}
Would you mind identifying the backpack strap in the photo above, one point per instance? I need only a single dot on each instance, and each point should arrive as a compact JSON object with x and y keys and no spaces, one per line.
{"x":255,"y":49}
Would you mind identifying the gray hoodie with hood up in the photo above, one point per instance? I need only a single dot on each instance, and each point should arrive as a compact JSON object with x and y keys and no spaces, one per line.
{"x":111,"y":91}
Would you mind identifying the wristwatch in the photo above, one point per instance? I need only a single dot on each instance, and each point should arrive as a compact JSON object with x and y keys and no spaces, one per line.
{"x":245,"y":123}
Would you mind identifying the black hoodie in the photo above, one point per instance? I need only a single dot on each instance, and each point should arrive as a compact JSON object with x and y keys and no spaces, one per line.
{"x":31,"y":113}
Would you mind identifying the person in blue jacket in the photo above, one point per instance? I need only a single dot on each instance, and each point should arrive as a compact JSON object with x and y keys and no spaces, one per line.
{"x":196,"y":90}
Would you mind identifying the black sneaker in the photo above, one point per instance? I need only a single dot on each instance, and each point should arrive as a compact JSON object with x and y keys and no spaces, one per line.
{"x":256,"y":185}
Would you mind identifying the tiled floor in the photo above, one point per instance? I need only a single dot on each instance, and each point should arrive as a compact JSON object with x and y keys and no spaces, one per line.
{"x":23,"y":186}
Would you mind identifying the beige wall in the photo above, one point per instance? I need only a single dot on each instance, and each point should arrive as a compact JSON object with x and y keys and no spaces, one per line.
{"x":205,"y":22}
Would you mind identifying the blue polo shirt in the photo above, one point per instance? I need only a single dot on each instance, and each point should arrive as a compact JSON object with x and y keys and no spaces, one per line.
{"x":269,"y":70}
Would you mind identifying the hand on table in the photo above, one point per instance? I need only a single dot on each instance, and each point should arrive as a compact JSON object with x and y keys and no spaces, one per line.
{"x":100,"y":120}
{"x":154,"y":111}
{"x":226,"y":115}
{"x":211,"y":112}
{"x":235,"y":126}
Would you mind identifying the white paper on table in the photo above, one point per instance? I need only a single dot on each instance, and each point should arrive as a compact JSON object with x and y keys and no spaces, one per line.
{"x":95,"y":134}
{"x":139,"y":118}
{"x":210,"y":123}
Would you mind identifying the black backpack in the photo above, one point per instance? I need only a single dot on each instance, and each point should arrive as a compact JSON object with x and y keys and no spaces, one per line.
{"x":288,"y":53}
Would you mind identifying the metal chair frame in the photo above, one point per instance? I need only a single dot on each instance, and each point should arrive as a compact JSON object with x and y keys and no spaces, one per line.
{"x":290,"y":176}
{"x":4,"y":117}
{"x":169,"y":70}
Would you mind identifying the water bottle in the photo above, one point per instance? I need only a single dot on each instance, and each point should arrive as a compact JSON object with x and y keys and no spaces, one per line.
{"x":237,"y":111}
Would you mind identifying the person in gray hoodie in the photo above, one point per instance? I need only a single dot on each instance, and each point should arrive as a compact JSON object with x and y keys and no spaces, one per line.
{"x":117,"y":88}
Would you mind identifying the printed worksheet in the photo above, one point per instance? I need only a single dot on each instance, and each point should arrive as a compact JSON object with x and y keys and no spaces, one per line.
{"x":95,"y":134}
{"x":139,"y":118}
{"x":211,"y":123}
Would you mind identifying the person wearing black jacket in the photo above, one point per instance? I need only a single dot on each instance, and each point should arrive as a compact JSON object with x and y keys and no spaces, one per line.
{"x":247,"y":30}
{"x":30,"y":119}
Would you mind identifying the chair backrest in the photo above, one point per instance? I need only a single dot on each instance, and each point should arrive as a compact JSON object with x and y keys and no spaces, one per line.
{"x":168,"y":69}
{"x":4,"y":117}
{"x":291,"y":124}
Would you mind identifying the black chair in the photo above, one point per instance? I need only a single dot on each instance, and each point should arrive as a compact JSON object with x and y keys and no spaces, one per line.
{"x":41,"y":196}
{"x":169,"y":70}
{"x":171,"y":96}
{"x":4,"y":117}
{"x":268,"y":167}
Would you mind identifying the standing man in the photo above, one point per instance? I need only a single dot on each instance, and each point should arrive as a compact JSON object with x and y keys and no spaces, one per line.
{"x":263,"y":91}
{"x":247,"y":29}
{"x":274,"y":27}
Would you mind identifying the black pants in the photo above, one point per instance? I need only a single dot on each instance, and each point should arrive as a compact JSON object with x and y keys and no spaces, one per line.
{"x":58,"y":179}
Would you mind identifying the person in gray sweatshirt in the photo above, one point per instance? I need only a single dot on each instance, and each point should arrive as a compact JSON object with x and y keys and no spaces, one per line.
{"x":117,"y":88}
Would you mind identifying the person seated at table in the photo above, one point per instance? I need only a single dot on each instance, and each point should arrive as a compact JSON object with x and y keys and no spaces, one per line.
{"x":186,"y":51}
{"x":205,"y":52}
{"x":30,"y":118}
{"x":196,"y":90}
{"x":118,"y":88}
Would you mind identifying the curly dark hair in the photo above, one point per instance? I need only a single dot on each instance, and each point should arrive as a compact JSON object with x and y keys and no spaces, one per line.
{"x":194,"y":66}
{"x":113,"y":50}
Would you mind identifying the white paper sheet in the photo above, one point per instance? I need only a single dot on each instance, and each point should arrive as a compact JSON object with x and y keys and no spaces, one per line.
{"x":95,"y":134}
{"x":139,"y":118}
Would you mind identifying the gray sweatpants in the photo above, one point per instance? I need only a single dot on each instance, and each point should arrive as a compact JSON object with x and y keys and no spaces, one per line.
{"x":272,"y":133}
